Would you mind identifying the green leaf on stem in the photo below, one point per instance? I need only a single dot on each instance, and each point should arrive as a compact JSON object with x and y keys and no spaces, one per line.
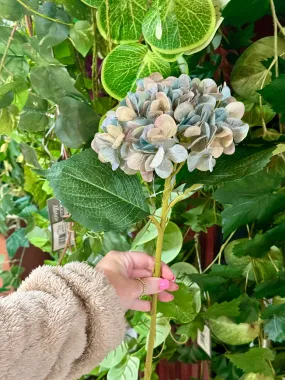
{"x":202,"y":216}
{"x":190,"y":330}
{"x":115,"y":356}
{"x":250,"y":199}
{"x":234,"y":12}
{"x":81,"y":37}
{"x":274,"y":94}
{"x":207,"y":282}
{"x":260,"y":245}
{"x":225,"y":271}
{"x":15,"y":241}
{"x":34,"y":117}
{"x":113,"y":203}
{"x":52,"y":82}
{"x":274,"y":326}
{"x":51,"y":33}
{"x":172,"y":242}
{"x":272,"y":287}
{"x":11,"y":10}
{"x":255,"y":360}
{"x":128,"y":368}
{"x":127,"y":63}
{"x":183,"y":308}
{"x":76,"y":124}
{"x":229,"y":309}
{"x":8,"y":119}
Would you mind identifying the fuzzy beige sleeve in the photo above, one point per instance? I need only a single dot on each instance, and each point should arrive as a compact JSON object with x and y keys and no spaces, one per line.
{"x":59,"y":325}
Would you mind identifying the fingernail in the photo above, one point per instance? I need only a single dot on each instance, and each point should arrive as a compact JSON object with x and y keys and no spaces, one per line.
{"x":174,"y":279}
{"x":163,"y":284}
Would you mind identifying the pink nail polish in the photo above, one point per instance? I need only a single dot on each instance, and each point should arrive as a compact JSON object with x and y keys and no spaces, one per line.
{"x":163,"y":284}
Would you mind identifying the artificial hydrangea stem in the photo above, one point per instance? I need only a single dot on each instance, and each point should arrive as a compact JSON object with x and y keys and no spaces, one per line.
{"x":157,"y":273}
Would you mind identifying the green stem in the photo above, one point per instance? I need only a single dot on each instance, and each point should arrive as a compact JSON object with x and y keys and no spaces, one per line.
{"x":273,"y":11}
{"x":42,"y":15}
{"x":94,"y":58}
{"x":8,"y":46}
{"x":157,"y":273}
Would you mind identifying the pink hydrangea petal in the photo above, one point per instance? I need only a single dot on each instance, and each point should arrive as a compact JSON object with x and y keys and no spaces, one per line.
{"x":134,"y":160}
{"x":167,"y":125}
{"x":124,"y":113}
{"x":235,"y":109}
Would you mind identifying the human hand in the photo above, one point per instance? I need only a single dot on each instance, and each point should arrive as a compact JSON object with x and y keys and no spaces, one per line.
{"x":122,"y":269}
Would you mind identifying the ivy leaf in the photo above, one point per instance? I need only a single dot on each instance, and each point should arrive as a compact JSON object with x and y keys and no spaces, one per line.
{"x":52,"y":82}
{"x":192,"y":354}
{"x":15,"y":241}
{"x":255,"y":360}
{"x":128,"y":368}
{"x":260,"y":245}
{"x":36,"y":186}
{"x":274,"y":327}
{"x":127,"y":63}
{"x":228,"y":309}
{"x":234,"y":12}
{"x":272,"y":287}
{"x":224,"y":369}
{"x":246,"y":161}
{"x":274,"y":94}
{"x":76,"y":124}
{"x":49,"y":32}
{"x":207,"y":282}
{"x":175,"y":18}
{"x":249,"y":310}
{"x":253,"y":198}
{"x":183,"y":307}
{"x":75,"y":8}
{"x":202,"y":216}
{"x":241,"y":38}
{"x":113,"y":203}
{"x":125,"y":20}
{"x":246,"y":78}
{"x":190,"y":330}
{"x":81,"y":37}
{"x":226,"y":271}
{"x":34,"y":117}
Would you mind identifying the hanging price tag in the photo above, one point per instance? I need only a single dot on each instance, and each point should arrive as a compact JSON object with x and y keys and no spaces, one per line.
{"x":59,"y":228}
{"x":204,"y":340}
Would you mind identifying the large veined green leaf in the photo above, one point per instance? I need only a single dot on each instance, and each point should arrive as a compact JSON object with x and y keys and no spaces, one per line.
{"x":127,"y":369}
{"x":127,"y":63}
{"x":249,"y":73}
{"x":182,"y":24}
{"x":232,"y":333}
{"x":123,"y":18}
{"x":219,"y":5}
{"x":49,"y":32}
{"x":33,"y":116}
{"x":168,"y":57}
{"x":77,"y":123}
{"x":11,"y":10}
{"x":52,"y":82}
{"x":96,"y":196}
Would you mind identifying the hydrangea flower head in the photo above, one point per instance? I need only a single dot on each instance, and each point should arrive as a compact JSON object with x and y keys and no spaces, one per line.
{"x":169,"y":121}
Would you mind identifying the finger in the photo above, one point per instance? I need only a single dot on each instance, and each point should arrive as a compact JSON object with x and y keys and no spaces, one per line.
{"x":165,"y":297}
{"x":141,"y":273}
{"x":153,"y":285}
{"x":141,"y":260}
{"x":141,"y":305}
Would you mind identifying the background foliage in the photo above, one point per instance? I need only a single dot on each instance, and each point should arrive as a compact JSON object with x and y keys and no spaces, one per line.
{"x":63,"y":65}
